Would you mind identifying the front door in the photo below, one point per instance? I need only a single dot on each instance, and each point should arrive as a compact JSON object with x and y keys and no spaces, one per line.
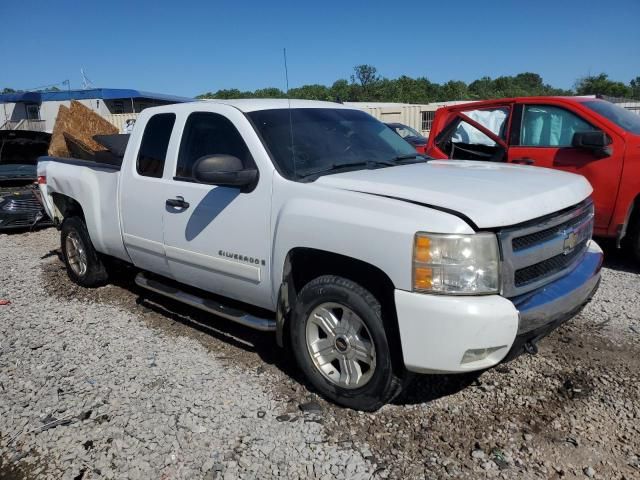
{"x":217,"y":237}
{"x":476,"y":134}
{"x":543,"y":135}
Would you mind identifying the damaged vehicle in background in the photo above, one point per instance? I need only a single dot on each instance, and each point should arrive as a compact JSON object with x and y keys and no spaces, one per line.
{"x":412,"y":136}
{"x":20,"y":206}
{"x":583,"y":135}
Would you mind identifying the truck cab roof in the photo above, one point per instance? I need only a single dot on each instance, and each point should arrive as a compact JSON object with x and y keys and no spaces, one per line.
{"x":255,"y":104}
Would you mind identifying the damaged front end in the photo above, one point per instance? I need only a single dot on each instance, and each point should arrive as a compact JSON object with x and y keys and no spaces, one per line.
{"x":20,"y":207}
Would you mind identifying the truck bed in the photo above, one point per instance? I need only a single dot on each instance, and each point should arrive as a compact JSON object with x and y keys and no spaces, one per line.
{"x":94,"y":186}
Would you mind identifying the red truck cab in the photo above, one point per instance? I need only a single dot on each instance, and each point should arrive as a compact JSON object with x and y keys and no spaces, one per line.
{"x":583,"y":135}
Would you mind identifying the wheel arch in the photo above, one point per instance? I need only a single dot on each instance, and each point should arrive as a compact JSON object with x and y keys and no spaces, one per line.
{"x":303,"y":264}
{"x":631,"y":218}
{"x":67,"y":207}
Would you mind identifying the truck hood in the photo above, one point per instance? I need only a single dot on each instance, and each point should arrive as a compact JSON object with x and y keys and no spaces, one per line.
{"x":489,"y":194}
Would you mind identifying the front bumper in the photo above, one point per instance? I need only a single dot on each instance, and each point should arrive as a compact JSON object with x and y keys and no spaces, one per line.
{"x":23,"y":220}
{"x":448,"y":334}
{"x":22,"y":209}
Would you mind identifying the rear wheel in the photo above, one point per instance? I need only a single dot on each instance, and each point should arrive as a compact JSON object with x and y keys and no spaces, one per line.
{"x":339,"y":341}
{"x":83,"y":262}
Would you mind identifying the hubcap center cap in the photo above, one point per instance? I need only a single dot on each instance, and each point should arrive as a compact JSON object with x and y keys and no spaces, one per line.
{"x":342,"y":344}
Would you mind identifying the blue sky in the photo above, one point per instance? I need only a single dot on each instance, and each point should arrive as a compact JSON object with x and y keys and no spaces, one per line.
{"x":190,"y":47}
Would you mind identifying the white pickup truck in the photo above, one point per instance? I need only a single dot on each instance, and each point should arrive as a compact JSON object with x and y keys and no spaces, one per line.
{"x":318,"y":222}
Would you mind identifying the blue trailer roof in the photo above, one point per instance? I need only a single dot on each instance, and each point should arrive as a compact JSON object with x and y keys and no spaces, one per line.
{"x":101,"y":93}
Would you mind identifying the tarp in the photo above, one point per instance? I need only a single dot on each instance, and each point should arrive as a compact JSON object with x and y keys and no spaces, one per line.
{"x":93,"y":93}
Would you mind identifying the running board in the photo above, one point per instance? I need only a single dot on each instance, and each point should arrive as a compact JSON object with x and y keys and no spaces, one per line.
{"x":211,"y":306}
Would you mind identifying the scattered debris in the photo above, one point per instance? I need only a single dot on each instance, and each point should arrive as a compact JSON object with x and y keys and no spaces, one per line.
{"x":310,"y":407}
{"x":74,"y":130}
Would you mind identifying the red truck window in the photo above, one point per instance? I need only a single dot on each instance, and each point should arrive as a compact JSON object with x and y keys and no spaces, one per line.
{"x":549,"y":126}
{"x":477,"y":134}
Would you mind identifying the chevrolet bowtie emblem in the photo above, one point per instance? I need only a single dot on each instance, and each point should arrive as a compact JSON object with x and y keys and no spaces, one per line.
{"x":571,"y":239}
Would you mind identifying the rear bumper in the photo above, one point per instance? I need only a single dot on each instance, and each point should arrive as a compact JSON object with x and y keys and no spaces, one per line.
{"x":448,"y":334}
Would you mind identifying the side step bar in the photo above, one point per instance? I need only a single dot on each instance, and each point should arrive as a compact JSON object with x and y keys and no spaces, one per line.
{"x":211,"y":306}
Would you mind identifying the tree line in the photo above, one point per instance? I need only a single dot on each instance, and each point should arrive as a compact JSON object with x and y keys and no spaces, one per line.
{"x":365,"y":85}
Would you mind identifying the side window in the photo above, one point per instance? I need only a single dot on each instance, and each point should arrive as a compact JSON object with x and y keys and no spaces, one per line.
{"x":153,"y":148}
{"x":205,"y":134}
{"x":468,"y":134}
{"x":463,"y":141}
{"x":493,"y":119}
{"x":548,"y":126}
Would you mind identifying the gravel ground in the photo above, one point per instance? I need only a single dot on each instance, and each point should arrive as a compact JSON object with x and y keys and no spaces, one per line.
{"x":118,"y":383}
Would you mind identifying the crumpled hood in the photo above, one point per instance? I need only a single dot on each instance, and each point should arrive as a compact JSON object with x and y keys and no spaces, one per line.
{"x":489,"y":194}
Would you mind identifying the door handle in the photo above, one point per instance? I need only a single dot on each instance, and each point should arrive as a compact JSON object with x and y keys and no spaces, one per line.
{"x":523,"y":161}
{"x":177,"y":202}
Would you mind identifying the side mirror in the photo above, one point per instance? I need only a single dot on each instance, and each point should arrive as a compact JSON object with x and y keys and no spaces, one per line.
{"x":223,"y":170}
{"x":597,"y":141}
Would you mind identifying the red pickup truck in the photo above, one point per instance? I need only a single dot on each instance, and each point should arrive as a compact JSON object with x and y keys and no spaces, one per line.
{"x":589,"y":136}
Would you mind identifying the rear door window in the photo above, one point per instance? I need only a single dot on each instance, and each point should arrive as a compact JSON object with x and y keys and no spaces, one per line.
{"x":154,"y":145}
{"x":549,"y":126}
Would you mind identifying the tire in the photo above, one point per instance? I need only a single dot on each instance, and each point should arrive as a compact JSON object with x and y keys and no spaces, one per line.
{"x":633,"y":239}
{"x":83,"y":262}
{"x":357,"y":372}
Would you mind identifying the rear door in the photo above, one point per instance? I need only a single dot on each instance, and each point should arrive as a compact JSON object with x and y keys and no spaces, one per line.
{"x":542,"y":135}
{"x":219,"y":239}
{"x":142,"y":193}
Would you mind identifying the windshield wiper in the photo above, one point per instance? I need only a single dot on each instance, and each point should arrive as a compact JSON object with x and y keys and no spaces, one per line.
{"x":410,"y":156}
{"x":369,"y":164}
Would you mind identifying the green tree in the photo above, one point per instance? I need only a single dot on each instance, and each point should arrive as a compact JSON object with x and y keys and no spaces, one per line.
{"x":8,"y":90}
{"x":226,"y":94}
{"x":453,"y":90}
{"x":365,"y":80}
{"x":271,"y":92}
{"x":366,"y":75}
{"x":635,"y":87}
{"x":366,"y":85}
{"x":601,"y":85}
{"x":482,"y":88}
{"x":341,"y":91}
{"x":311,"y":92}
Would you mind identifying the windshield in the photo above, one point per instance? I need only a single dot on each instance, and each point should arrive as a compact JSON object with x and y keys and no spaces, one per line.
{"x":405,"y":131}
{"x":620,"y":116}
{"x":322,"y":138}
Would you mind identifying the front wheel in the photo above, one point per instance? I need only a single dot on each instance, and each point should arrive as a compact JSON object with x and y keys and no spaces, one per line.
{"x":340,"y":343}
{"x":83,"y":262}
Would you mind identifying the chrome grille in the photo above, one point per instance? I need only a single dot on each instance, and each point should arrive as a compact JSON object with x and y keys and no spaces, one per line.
{"x":538,"y":252}
{"x":531,"y":273}
{"x":532,"y":239}
{"x":26,"y":204}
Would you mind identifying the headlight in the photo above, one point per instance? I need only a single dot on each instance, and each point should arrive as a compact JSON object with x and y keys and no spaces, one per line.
{"x":456,"y":264}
